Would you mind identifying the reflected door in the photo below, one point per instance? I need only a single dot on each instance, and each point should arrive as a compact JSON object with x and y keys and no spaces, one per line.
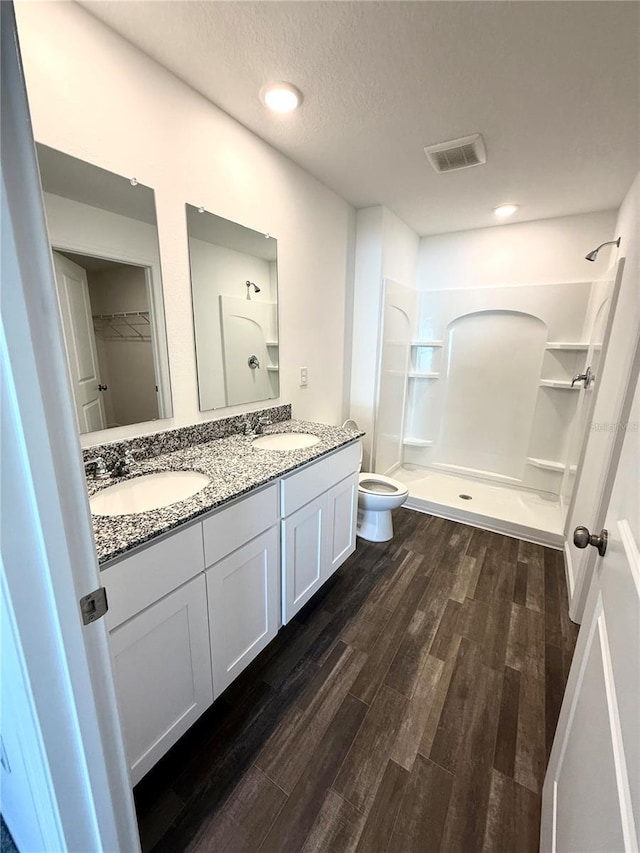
{"x":80,"y":343}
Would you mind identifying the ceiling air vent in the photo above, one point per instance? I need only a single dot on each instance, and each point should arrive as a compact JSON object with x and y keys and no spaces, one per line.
{"x":457,"y":153}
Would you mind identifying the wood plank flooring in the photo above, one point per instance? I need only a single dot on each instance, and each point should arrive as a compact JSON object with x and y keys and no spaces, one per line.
{"x":410,"y":706}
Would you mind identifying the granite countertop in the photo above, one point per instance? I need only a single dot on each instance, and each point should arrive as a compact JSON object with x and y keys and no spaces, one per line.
{"x":235,"y":468}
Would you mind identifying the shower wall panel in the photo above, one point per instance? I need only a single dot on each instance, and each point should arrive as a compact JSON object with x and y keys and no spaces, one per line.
{"x":489,"y":382}
{"x":399,"y":304}
{"x":493,"y":361}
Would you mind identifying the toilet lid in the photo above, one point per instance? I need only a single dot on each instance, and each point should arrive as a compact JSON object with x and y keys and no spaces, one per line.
{"x":378,"y":487}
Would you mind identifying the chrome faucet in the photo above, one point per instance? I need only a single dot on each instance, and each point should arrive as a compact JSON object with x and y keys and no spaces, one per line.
{"x":125,"y":465}
{"x":96,"y":468}
{"x":247,"y":428}
{"x":262,"y":423}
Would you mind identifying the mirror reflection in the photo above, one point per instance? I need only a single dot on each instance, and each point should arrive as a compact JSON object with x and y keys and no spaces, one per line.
{"x":234,"y":282}
{"x":104,"y":239}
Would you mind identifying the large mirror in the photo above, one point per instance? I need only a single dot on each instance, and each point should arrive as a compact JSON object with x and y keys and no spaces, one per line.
{"x":104,"y":239}
{"x":234,"y":286}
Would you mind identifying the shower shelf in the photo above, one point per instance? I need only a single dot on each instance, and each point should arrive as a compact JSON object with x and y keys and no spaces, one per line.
{"x":417,"y":442}
{"x":427,"y":343}
{"x":561,"y":384}
{"x":569,"y":347}
{"x":417,"y":374}
{"x":546,"y":464}
{"x":273,"y":368}
{"x":271,"y":343}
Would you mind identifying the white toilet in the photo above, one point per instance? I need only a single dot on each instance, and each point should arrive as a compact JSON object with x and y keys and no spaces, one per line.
{"x":377,"y":496}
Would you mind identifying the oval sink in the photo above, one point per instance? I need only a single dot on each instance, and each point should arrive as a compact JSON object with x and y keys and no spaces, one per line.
{"x":285,"y":441}
{"x":149,"y":491}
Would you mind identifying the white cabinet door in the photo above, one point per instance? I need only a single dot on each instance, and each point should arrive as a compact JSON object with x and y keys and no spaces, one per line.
{"x":162,"y":669}
{"x":342,"y":510}
{"x":243,"y":594}
{"x":303,"y":555}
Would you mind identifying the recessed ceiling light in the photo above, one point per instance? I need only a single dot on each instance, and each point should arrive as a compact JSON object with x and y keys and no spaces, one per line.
{"x":506,"y":209}
{"x":281,"y":97}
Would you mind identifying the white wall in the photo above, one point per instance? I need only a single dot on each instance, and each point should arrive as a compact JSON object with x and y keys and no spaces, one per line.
{"x":546,"y":250}
{"x":96,"y":97}
{"x":385,"y":248}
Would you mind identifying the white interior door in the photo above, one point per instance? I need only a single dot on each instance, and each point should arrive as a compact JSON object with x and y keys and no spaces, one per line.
{"x":591,"y":795}
{"x":80,"y":343}
{"x":594,"y":466}
{"x":58,"y":671}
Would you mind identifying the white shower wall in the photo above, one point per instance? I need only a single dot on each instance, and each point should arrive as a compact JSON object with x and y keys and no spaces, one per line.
{"x":489,"y":384}
{"x":398,"y":320}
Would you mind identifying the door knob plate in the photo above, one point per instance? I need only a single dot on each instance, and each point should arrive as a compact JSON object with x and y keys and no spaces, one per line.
{"x":583,"y":537}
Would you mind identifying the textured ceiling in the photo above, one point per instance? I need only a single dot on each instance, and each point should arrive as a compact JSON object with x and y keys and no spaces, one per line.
{"x":552,"y":86}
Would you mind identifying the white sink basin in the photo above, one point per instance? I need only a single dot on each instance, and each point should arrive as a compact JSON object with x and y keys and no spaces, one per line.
{"x":285,"y":441}
{"x":149,"y":491}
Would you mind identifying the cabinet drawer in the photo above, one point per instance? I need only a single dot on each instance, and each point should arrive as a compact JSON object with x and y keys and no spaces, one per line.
{"x":139,"y":580}
{"x":302,"y":486}
{"x":234,"y":525}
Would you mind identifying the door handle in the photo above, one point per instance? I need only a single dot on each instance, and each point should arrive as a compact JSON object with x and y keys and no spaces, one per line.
{"x":582,"y":537}
{"x":102,"y":387}
{"x":586,"y":378}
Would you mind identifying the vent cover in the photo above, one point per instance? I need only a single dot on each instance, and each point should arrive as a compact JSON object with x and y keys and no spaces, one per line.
{"x":457,"y":153}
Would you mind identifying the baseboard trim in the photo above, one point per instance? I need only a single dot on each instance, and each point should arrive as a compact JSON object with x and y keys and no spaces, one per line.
{"x":495,"y":525}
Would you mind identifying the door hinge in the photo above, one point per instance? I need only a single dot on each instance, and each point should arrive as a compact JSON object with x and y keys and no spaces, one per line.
{"x":94,"y":605}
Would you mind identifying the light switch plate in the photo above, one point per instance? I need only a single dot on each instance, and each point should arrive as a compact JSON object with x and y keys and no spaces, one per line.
{"x":304,"y":378}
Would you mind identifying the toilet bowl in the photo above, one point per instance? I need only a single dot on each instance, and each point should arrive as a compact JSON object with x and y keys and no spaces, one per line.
{"x":377,"y":496}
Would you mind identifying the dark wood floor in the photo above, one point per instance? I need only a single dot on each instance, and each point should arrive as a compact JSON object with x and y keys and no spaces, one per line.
{"x":409,"y":707}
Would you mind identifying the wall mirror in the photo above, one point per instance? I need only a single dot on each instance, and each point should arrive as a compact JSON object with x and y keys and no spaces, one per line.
{"x":234,"y":287}
{"x":104,"y":238}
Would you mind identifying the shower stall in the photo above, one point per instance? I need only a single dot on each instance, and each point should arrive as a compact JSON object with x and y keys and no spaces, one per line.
{"x":478,"y":410}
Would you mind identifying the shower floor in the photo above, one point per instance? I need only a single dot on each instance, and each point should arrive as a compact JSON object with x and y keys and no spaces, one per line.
{"x":504,"y":509}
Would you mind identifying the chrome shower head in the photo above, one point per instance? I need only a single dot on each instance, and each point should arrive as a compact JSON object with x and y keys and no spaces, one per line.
{"x":254,"y":285}
{"x":594,"y":254}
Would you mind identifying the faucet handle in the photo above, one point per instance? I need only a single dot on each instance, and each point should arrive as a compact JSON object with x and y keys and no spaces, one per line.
{"x":99,"y":471}
{"x":264,"y":421}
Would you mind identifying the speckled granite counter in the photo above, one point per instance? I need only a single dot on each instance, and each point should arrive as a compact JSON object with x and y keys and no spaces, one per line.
{"x":235,"y":468}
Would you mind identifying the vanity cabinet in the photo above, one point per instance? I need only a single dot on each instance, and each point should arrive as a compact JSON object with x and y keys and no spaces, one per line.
{"x":242,"y":553}
{"x":159,"y":635}
{"x":342,"y":516}
{"x":188,"y":613}
{"x":318,"y":534}
{"x":303,"y":555}
{"x":242,"y":594}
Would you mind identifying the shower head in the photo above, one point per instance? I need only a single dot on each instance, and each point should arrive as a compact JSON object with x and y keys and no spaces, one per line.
{"x":254,"y":285}
{"x":594,"y":254}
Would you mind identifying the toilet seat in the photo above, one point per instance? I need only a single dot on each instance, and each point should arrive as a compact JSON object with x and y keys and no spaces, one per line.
{"x":378,"y":484}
